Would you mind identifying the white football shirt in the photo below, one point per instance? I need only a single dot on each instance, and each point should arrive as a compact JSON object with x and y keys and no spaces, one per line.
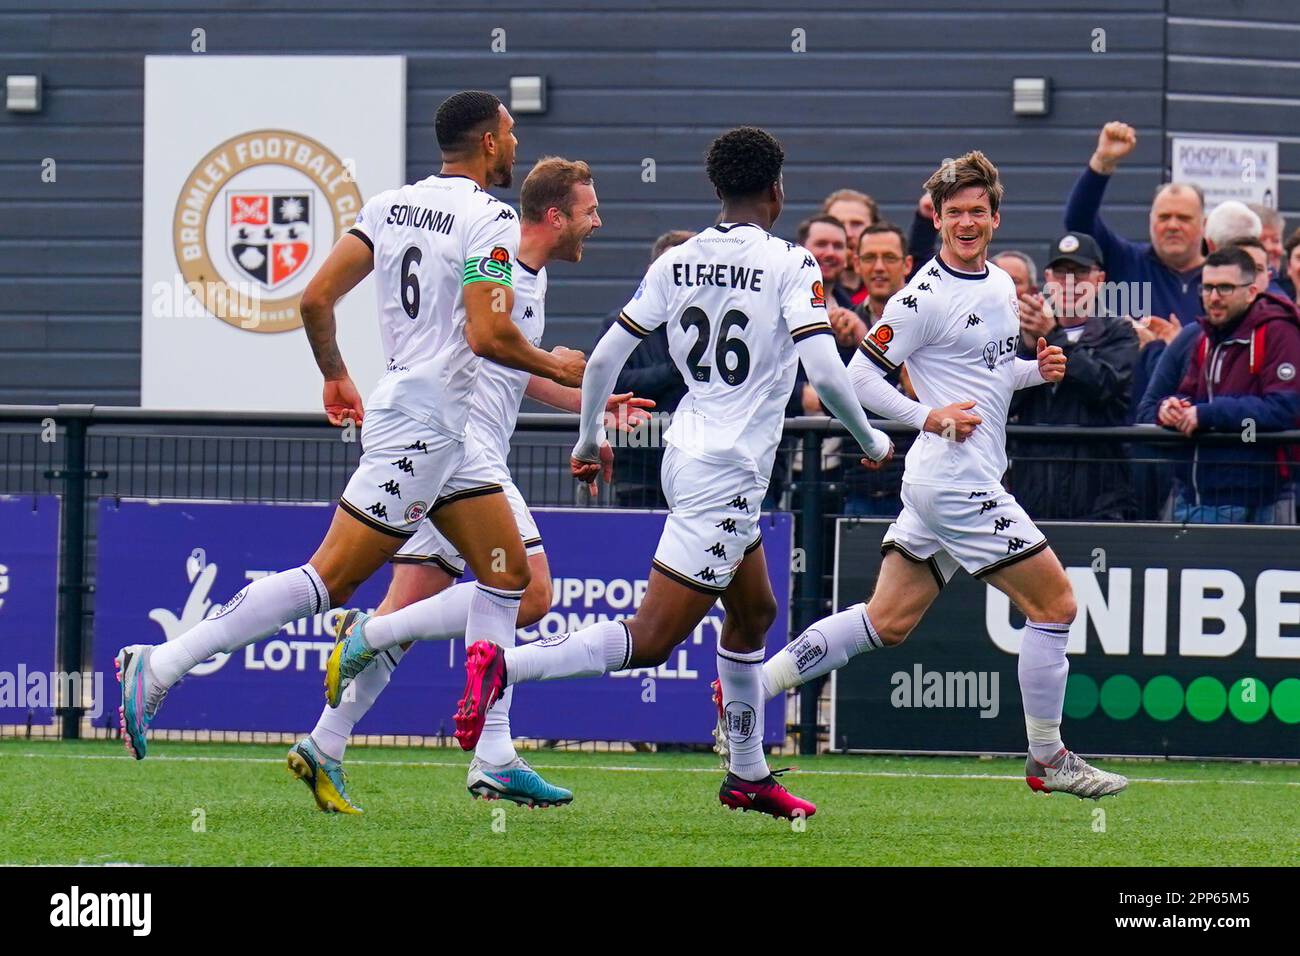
{"x":494,"y":408}
{"x":429,"y":240}
{"x":736,"y":299}
{"x":957,"y":331}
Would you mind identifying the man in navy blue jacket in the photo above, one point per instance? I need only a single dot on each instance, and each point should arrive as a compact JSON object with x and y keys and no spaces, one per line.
{"x":1171,"y":261}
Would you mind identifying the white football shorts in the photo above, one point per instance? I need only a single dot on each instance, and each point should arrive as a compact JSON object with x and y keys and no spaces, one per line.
{"x":408,"y":470}
{"x":946,"y":528}
{"x":428,"y":546}
{"x":712,"y":524}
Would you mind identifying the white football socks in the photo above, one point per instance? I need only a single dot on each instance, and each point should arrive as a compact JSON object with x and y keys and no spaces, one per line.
{"x":824,"y":647}
{"x":258,"y":611}
{"x":742,"y":700}
{"x":335,"y":725}
{"x":1043,"y":668}
{"x":599,"y":649}
{"x":443,"y":617}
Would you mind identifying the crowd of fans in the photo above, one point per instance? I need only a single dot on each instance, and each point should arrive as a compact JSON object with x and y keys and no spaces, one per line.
{"x":1193,"y":331}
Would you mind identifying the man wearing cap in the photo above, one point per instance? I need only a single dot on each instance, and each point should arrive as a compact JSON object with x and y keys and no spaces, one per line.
{"x":1075,"y":480}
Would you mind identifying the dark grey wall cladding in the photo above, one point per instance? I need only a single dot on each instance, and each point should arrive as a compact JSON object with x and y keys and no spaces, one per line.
{"x":883,"y":93}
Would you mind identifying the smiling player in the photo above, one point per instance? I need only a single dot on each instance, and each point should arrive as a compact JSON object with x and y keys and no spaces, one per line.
{"x":956,"y":325}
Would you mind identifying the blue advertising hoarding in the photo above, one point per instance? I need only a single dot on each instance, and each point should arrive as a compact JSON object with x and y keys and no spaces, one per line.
{"x":29,"y":599}
{"x":164,"y":566}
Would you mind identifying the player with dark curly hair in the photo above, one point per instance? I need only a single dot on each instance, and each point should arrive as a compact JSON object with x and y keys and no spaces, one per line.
{"x":742,"y":308}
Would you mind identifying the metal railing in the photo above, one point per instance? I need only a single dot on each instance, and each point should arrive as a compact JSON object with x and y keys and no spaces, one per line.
{"x":83,"y":453}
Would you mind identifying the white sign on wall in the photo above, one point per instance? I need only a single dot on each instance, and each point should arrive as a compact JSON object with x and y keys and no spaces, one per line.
{"x":253,"y":167}
{"x":1241,"y":169}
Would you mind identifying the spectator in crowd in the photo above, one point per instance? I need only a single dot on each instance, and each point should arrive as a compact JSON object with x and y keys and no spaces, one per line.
{"x":649,"y":373}
{"x":883,"y":265}
{"x":1081,"y":480}
{"x":1171,"y":261}
{"x":1242,"y":377}
{"x":1291,"y":261}
{"x":1228,"y":221}
{"x":1272,"y":233}
{"x":1022,"y":269}
{"x":924,"y":235}
{"x":1235,"y":224}
{"x":826,"y":239}
{"x":1255,"y":248}
{"x":856,"y":211}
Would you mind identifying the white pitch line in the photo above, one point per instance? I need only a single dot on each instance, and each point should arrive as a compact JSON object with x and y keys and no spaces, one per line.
{"x":611,"y":768}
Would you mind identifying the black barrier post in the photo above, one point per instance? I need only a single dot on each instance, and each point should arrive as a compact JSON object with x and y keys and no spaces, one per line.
{"x":810,"y":584}
{"x":72,"y":561}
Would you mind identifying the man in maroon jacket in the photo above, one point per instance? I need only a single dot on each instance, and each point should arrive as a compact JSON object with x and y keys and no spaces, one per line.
{"x":1241,"y":378}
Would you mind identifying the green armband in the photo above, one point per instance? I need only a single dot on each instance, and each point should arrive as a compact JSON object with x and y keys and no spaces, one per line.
{"x":494,"y":267}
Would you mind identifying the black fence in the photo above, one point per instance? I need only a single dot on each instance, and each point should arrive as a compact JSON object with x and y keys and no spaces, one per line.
{"x":83,"y":453}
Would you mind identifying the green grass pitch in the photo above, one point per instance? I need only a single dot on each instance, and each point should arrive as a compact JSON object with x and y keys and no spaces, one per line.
{"x":204,"y":804}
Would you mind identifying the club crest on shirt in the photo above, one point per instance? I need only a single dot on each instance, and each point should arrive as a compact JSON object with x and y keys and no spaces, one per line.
{"x":818,"y":299}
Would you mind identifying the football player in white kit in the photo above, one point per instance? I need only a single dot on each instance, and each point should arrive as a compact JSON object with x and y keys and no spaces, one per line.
{"x":443,"y":253}
{"x":558,"y":211}
{"x":956,"y":325}
{"x":742,"y":308}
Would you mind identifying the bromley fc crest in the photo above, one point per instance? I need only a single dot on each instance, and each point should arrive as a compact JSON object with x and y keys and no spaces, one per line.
{"x":269,"y":235}
{"x":253,"y":221}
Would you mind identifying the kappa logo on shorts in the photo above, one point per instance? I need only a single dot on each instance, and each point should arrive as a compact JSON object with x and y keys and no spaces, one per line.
{"x":417,"y":446}
{"x":1002,"y":524}
{"x":416,"y":510}
{"x":392,"y":487}
{"x":718,"y":551}
{"x":987,"y":506}
{"x":404,"y":465}
{"x":977,"y":494}
{"x":379,"y":510}
{"x":706,"y":575}
{"x":728,"y":525}
{"x":1015,"y":544}
{"x":740,"y":503}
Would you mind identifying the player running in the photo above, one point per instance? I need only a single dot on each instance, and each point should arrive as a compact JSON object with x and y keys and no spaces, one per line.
{"x":742,"y":307}
{"x":443,"y":253}
{"x":956,"y":325}
{"x":558,"y":210}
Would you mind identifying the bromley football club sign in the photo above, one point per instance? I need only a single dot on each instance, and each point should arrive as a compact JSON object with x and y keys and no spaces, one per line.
{"x":254,"y":220}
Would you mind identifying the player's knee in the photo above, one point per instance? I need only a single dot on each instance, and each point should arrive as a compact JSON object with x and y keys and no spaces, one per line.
{"x":1062,"y":609}
{"x":536,"y":602}
{"x":509,"y":579}
{"x":756,"y":622}
{"x":890,"y":626}
{"x":339,"y":583}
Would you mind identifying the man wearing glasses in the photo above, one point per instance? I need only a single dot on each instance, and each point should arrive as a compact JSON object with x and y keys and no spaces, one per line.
{"x":1065,"y":479}
{"x":1241,"y":378}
